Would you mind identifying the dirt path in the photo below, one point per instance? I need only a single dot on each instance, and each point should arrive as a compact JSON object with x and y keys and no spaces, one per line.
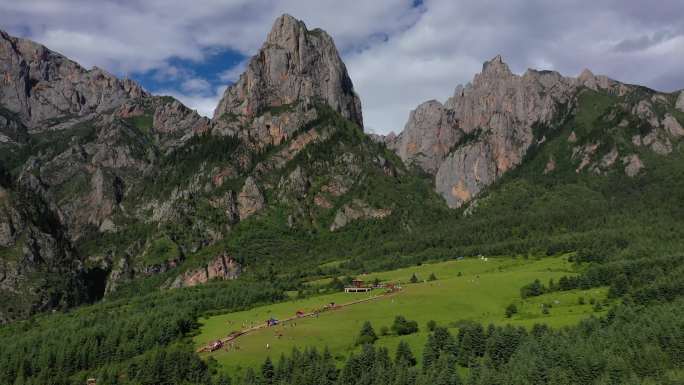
{"x":235,"y":335}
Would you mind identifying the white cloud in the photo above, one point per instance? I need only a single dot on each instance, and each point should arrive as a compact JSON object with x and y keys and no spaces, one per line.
{"x":231,"y":75}
{"x":195,"y":85}
{"x":203,"y":103}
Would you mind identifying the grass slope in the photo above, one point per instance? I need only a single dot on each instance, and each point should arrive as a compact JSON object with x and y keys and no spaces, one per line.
{"x":468,"y":289}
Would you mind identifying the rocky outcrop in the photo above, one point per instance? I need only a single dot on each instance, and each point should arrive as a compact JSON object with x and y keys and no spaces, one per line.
{"x":173,"y":116}
{"x":294,"y":69}
{"x":488,"y":126}
{"x":40,"y":84}
{"x":250,"y":200}
{"x":550,"y":165}
{"x":485,"y":129}
{"x":295,"y":186}
{"x":632,"y":165}
{"x":498,"y":112}
{"x":222,"y":267}
{"x":357,"y":210}
{"x":672,"y":126}
{"x":465,"y":172}
{"x":429,"y":135}
{"x":680,"y":102}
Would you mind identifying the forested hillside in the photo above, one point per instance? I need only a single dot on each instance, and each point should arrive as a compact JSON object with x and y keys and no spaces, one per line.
{"x":125,"y":218}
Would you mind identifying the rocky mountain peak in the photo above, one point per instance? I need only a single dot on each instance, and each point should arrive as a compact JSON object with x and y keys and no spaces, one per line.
{"x":496,"y":68}
{"x":294,"y":66}
{"x":284,"y":28}
{"x":586,"y":75}
{"x":482,"y":131}
{"x":429,"y":135}
{"x":41,"y":84}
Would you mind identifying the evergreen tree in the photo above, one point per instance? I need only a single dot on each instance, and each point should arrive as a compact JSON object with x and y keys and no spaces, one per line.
{"x":404,"y":355}
{"x":268,"y":372}
{"x":510,"y":310}
{"x":414,"y":278}
{"x":366,"y":335}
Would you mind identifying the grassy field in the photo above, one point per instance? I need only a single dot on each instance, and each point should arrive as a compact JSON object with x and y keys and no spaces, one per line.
{"x":468,"y":289}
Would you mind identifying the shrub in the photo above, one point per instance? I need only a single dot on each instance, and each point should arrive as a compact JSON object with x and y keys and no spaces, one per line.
{"x":402,"y":326}
{"x":431,"y":325}
{"x":510,"y":310}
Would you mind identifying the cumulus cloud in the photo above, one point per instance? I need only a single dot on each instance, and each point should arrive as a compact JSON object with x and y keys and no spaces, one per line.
{"x":399,"y":52}
{"x":203,"y":102}
{"x":195,"y":85}
{"x":231,"y":75}
{"x":626,"y":39}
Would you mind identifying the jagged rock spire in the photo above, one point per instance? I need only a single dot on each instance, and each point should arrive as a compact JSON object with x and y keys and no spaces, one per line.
{"x":293,"y":65}
{"x":496,"y":67}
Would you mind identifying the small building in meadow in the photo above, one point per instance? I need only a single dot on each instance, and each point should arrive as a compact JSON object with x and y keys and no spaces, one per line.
{"x":357,"y":286}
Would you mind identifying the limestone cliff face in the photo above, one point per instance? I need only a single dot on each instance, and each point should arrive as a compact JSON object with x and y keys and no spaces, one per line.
{"x":222,"y":267}
{"x":429,"y":135}
{"x":498,"y":110}
{"x":294,"y":68}
{"x":680,"y":102}
{"x":486,"y":128}
{"x":40,"y":84}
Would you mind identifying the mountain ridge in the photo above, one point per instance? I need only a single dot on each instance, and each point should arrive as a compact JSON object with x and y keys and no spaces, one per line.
{"x":148,"y":192}
{"x":497,"y":113}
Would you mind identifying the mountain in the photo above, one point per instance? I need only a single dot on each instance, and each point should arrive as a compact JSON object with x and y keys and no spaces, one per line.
{"x":141,"y":188}
{"x":490,"y":125}
{"x":141,"y":217}
{"x":294,"y":68}
{"x":109,"y":191}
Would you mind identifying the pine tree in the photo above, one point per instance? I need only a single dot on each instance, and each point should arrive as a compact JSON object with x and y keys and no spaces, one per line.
{"x":366,"y":335}
{"x":404,"y":355}
{"x":414,"y":278}
{"x":430,"y":352}
{"x":268,"y":371}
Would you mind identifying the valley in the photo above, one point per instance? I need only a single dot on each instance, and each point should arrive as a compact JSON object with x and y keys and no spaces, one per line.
{"x":469,"y":289}
{"x":529,"y":229}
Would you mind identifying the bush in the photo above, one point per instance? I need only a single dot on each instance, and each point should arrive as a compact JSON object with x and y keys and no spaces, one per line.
{"x":432,"y":277}
{"x":510,"y":310}
{"x":402,"y":326}
{"x":384,"y":330}
{"x":413,"y":279}
{"x":431,"y":325}
{"x":533,"y":289}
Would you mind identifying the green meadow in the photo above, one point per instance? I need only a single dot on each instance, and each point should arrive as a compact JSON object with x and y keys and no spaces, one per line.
{"x":468,"y":289}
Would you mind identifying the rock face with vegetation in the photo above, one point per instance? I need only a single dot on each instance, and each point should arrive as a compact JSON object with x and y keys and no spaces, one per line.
{"x":294,"y":69}
{"x":140,"y":186}
{"x":489,"y":126}
{"x":39,"y":84}
{"x":428,"y":137}
{"x":171,"y":217}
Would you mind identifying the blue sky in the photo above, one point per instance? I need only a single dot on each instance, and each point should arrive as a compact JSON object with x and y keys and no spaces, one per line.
{"x":212,"y":69}
{"x":399,"y":53}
